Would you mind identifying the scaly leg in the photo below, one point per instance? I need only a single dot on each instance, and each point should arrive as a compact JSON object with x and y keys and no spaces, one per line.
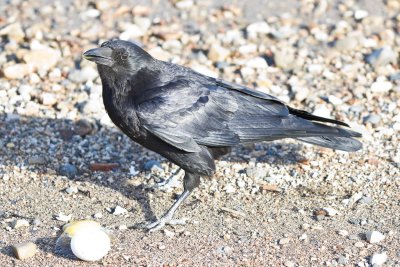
{"x":190,"y":182}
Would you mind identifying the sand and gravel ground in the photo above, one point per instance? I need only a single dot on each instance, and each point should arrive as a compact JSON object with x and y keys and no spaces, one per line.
{"x":271,"y":204}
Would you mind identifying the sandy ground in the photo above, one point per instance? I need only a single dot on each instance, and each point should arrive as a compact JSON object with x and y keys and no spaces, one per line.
{"x":262,"y":208}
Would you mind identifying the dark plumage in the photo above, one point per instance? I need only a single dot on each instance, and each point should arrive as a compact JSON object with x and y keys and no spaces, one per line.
{"x":192,"y":119}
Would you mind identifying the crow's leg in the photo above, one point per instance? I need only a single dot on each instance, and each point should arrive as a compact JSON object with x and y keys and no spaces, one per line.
{"x":190,"y":182}
{"x":170,"y":181}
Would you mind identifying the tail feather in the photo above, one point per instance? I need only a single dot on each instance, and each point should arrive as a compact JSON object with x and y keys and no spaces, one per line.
{"x":335,"y":142}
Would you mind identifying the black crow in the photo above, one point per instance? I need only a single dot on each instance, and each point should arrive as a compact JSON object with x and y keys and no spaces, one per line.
{"x":192,"y":119}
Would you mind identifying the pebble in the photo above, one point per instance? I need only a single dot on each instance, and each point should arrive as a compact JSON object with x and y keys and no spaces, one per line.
{"x":342,"y":260}
{"x":322,"y":111}
{"x":24,"y":250}
{"x":14,"y":32}
{"x":259,"y":27}
{"x":366,"y":200}
{"x":218,"y":53}
{"x":63,"y":218}
{"x":68,"y":170}
{"x":359,"y":244}
{"x":168,"y":233}
{"x":153,"y":165}
{"x":381,"y":86}
{"x":284,"y":241}
{"x":20,"y":223}
{"x":131,"y":32}
{"x":37,"y":160}
{"x":374,"y":237}
{"x":285,"y":59}
{"x":98,"y":215}
{"x":360,"y":14}
{"x":330,"y":211}
{"x":43,"y":58}
{"x":230,"y":189}
{"x":48,"y":99}
{"x":289,"y":264}
{"x":382,"y":56}
{"x":373,"y":119}
{"x":72,"y":190}
{"x":347,"y":43}
{"x":17,"y":71}
{"x":335,"y":100}
{"x":378,"y":259}
{"x":118,"y":210}
{"x":343,"y":233}
{"x":36,"y":222}
{"x":85,"y":74}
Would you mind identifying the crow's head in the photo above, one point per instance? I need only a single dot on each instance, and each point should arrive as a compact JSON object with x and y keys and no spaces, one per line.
{"x":120,"y":56}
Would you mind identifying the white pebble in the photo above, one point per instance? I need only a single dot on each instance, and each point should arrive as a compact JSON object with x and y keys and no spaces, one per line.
{"x":63,"y":218}
{"x":374,"y":237}
{"x":118,"y":210}
{"x":378,"y":259}
{"x":330,"y":211}
{"x":381,"y":86}
{"x":360,"y":14}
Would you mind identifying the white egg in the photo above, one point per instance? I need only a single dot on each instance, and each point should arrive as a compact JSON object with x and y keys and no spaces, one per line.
{"x":90,"y":245}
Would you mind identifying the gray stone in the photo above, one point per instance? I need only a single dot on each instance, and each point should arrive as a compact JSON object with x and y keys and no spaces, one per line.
{"x":382,"y":56}
{"x":68,"y":170}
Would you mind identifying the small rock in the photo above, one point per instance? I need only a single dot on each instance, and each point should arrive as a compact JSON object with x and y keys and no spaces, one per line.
{"x":86,"y":74}
{"x":72,"y":190}
{"x":347,"y":43}
{"x":374,"y":237}
{"x":256,"y":173}
{"x":365,"y":200}
{"x":359,"y":244}
{"x":168,"y":233}
{"x":98,"y":215}
{"x":289,"y":264}
{"x":118,"y":210}
{"x":360,"y":14}
{"x":373,"y":119}
{"x":270,"y":187}
{"x":381,"y":57}
{"x":42,"y":58}
{"x":343,"y":233}
{"x":68,"y":170}
{"x":218,"y":53}
{"x":24,"y":250}
{"x":131,"y":32}
{"x":63,"y":218}
{"x":173,"y":46}
{"x":14,"y":32}
{"x":257,"y":63}
{"x":184,"y":4}
{"x":37,"y":160}
{"x":284,"y":241}
{"x":303,"y":237}
{"x":330,"y":211}
{"x":36,"y":222}
{"x":230,"y":189}
{"x":122,"y":227}
{"x":17,"y":71}
{"x":48,"y":99}
{"x":335,"y":100}
{"x":103,"y":167}
{"x":285,"y":59}
{"x":342,"y":260}
{"x":247,"y":49}
{"x":322,"y":111}
{"x":260,"y":27}
{"x":378,"y":259}
{"x":83,"y":127}
{"x":149,"y":165}
{"x":20,"y":223}
{"x":381,"y":86}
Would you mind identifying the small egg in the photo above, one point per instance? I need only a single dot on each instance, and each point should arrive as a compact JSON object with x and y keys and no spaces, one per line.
{"x":90,"y":245}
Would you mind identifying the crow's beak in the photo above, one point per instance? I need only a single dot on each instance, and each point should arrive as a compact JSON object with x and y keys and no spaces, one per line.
{"x":101,"y":55}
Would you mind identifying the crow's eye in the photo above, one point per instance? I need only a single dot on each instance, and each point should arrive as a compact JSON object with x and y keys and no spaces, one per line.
{"x":105,"y":43}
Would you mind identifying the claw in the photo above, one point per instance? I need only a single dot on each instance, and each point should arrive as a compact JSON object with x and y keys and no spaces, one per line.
{"x":162,"y":222}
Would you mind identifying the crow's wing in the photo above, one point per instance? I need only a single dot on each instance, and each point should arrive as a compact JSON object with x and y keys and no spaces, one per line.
{"x":188,"y":112}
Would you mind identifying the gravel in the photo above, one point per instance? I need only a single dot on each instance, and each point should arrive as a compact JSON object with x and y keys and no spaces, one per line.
{"x":60,"y":154}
